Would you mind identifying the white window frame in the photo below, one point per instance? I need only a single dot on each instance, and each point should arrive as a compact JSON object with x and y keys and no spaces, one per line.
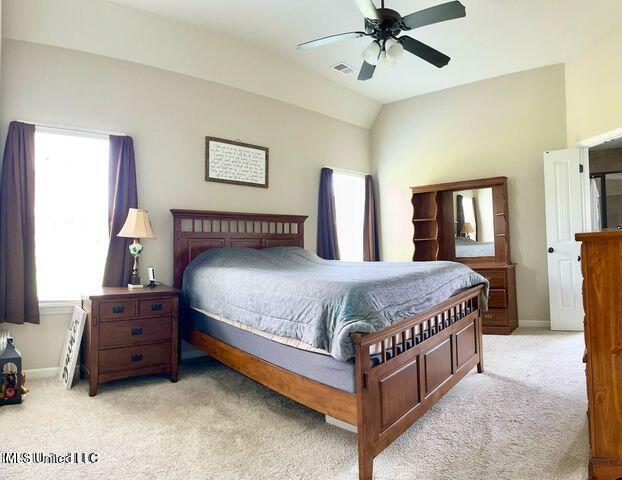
{"x":361,"y":175}
{"x":65,"y":306}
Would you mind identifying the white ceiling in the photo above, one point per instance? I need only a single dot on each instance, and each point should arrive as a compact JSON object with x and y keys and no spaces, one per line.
{"x":497,"y":37}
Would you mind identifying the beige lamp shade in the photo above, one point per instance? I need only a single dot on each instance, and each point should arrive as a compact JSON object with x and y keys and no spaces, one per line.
{"x":468,"y":228}
{"x":137,"y":225}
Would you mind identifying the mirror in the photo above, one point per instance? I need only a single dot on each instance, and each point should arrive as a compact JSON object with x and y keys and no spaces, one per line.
{"x":474,"y":226}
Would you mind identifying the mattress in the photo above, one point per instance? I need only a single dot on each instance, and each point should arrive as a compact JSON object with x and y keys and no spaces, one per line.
{"x":316,"y":366}
{"x":292,"y":342}
{"x":293,"y":293}
{"x":303,"y":359}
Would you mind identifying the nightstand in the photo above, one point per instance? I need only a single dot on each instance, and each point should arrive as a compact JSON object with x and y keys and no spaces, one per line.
{"x":129,"y":333}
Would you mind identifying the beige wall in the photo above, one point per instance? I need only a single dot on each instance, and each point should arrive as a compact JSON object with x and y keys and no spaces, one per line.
{"x":491,"y":128}
{"x":40,"y":345}
{"x":593,"y":98}
{"x":169,"y":115}
{"x":106,"y":28}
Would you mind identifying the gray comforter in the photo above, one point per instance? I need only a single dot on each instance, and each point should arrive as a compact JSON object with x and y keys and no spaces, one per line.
{"x":292,"y":292}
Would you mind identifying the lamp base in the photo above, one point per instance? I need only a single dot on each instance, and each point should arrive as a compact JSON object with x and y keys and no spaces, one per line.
{"x":135,"y":250}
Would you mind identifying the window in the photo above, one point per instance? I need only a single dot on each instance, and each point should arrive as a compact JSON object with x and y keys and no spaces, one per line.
{"x":350,"y":210}
{"x":71,"y":212}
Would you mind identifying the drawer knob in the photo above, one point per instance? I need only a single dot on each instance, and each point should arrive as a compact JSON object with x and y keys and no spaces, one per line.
{"x":137,"y":357}
{"x":487,"y":315}
{"x":117,"y":309}
{"x":137,"y":331}
{"x":155,"y":307}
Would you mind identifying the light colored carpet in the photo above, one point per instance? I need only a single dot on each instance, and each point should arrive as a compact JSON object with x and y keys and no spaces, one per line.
{"x":522,"y":419}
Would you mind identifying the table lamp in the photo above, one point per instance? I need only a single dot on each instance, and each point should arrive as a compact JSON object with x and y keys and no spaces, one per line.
{"x":467,"y":229}
{"x":136,"y":226}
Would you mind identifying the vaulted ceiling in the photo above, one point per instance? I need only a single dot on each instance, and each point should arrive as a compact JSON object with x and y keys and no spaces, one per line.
{"x":497,"y":36}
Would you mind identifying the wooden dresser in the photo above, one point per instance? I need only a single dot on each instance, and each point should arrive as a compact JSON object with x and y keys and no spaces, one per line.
{"x":129,"y":333}
{"x":436,"y":238}
{"x":601,"y":263}
{"x":502,"y":314}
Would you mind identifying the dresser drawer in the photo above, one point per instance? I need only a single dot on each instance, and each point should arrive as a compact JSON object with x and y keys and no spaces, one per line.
{"x":118,"y":310}
{"x":128,"y":358}
{"x":131,"y":332}
{"x":497,"y":298}
{"x":157,"y":306}
{"x":495,"y":277}
{"x":495,"y":317}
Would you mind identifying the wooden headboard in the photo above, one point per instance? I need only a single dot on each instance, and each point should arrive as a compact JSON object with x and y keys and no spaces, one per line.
{"x":195,"y":231}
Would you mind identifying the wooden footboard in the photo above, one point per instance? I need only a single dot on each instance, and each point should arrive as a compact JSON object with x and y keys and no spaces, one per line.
{"x":399,"y":379}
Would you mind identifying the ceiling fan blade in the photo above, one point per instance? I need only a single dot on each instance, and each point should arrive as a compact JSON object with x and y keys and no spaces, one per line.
{"x":439,"y":13}
{"x":330,"y":39}
{"x":424,"y":52}
{"x":367,"y":71}
{"x":368,"y":9}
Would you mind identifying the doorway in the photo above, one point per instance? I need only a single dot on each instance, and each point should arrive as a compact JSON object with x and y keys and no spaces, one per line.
{"x":605,"y":167}
{"x":583,"y":192}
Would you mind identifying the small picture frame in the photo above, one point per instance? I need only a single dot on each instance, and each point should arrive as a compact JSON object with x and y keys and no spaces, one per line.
{"x":71,"y":348}
{"x":237,"y":163}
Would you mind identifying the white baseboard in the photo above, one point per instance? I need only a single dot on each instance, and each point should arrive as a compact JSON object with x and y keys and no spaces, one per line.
{"x":36,"y":373}
{"x":187,"y":353}
{"x":534,"y":324}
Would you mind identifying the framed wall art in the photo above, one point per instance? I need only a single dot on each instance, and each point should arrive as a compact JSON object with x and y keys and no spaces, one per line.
{"x":238,"y":163}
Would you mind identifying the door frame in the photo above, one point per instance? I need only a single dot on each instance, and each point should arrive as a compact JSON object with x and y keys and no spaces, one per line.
{"x":585,"y":145}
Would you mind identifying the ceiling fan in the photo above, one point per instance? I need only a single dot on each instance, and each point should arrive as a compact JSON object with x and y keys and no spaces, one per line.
{"x":384,"y":25}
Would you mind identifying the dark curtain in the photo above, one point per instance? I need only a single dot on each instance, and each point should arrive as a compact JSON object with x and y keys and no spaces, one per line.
{"x":459,"y":215}
{"x":327,"y":245}
{"x":476,"y":219}
{"x":122,"y":195}
{"x":371,"y":247}
{"x":18,"y":276}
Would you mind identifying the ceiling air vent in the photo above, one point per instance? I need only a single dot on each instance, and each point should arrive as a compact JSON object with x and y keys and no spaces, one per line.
{"x":344,"y":68}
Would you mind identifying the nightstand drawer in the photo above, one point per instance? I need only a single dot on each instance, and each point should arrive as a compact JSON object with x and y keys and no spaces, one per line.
{"x":495,"y":317}
{"x":495,"y":277}
{"x":118,"y":310}
{"x":131,"y":332}
{"x":157,"y":306}
{"x":128,"y":358}
{"x":497,"y":298}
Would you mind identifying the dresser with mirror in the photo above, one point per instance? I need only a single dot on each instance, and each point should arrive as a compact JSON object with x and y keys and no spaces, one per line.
{"x":468,"y":222}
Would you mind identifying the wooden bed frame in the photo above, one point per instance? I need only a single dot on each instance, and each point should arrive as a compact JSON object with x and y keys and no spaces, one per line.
{"x":390,"y":395}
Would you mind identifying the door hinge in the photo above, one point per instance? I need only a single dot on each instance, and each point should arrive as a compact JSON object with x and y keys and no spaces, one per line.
{"x":580,"y":168}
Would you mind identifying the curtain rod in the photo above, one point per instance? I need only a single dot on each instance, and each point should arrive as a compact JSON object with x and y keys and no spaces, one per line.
{"x":74,"y":129}
{"x":348,"y":172}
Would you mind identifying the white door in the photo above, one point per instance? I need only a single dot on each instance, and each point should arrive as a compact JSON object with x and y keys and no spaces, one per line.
{"x":565,"y":215}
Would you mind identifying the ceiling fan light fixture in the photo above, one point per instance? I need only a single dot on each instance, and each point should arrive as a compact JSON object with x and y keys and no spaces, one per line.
{"x":384,"y":61}
{"x":371,"y":53}
{"x":394,"y":50}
